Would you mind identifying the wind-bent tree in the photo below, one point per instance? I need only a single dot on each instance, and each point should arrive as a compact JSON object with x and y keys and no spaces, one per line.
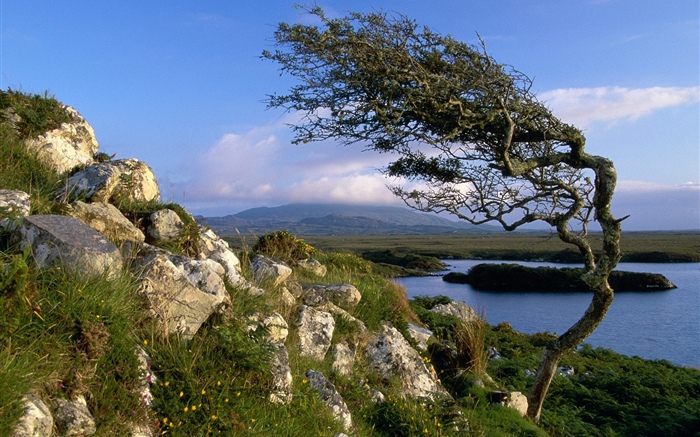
{"x":467,"y":131}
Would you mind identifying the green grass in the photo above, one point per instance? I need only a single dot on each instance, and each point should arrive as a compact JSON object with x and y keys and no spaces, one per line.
{"x":677,"y":246}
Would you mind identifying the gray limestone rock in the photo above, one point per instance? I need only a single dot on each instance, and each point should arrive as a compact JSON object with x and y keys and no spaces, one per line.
{"x":269,"y":269}
{"x":315,"y":331}
{"x":330,"y":396}
{"x":112,"y":181}
{"x":165,"y":226}
{"x":36,"y":421}
{"x":14,"y":205}
{"x":70,"y":145}
{"x":106,"y":219}
{"x":346,"y":296}
{"x":73,"y":418}
{"x":62,"y":241}
{"x":388,"y":354}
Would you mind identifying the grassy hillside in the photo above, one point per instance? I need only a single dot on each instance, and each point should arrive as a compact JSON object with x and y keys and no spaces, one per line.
{"x":63,"y":335}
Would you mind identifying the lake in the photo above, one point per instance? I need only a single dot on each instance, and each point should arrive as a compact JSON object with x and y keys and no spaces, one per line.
{"x":651,"y":325}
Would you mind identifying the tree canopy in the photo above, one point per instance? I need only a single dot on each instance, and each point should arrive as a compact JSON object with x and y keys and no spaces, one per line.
{"x":467,"y":131}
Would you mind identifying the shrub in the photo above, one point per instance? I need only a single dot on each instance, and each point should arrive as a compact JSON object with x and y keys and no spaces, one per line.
{"x":283,"y":245}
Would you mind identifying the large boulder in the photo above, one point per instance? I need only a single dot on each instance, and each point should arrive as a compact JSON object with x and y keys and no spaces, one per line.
{"x":388,"y":354}
{"x":315,"y":331}
{"x":106,"y":219}
{"x":62,"y":241}
{"x":36,"y":421}
{"x":112,"y":181}
{"x":330,"y":396}
{"x":269,"y":269}
{"x":14,"y":205}
{"x":165,"y":226}
{"x":345,"y":296}
{"x":173,"y":298}
{"x":70,"y":145}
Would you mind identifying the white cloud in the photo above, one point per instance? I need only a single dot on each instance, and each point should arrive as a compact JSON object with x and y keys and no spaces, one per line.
{"x":584,"y":106}
{"x":261,"y":167}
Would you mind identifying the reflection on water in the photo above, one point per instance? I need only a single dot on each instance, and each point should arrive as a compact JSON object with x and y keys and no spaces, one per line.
{"x":652,"y":325}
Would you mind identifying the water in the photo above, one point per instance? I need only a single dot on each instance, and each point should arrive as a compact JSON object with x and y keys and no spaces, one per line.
{"x":651,"y":325}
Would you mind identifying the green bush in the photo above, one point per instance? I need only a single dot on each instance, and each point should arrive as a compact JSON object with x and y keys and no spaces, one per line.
{"x":284,"y":246}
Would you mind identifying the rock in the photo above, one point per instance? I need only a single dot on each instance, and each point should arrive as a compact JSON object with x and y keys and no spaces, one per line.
{"x":146,"y":377}
{"x":112,"y":182}
{"x":511,"y":399}
{"x":360,"y":328}
{"x":287,"y":298}
{"x":313,"y":266}
{"x":180,"y":305}
{"x":73,"y":417}
{"x":281,"y":377}
{"x":494,"y":354}
{"x":14,"y":205}
{"x":206,"y":275}
{"x":315,"y":331}
{"x":294,"y":288}
{"x":330,"y":397}
{"x":269,"y":269}
{"x":566,"y":371}
{"x":166,"y":226}
{"x":107,"y":220}
{"x":420,"y":335}
{"x":457,"y":309}
{"x":62,"y":241}
{"x":346,"y":296}
{"x":343,"y":359}
{"x":275,"y":325}
{"x":213,"y":247}
{"x":388,"y":354}
{"x":71,"y":145}
{"x":36,"y":421}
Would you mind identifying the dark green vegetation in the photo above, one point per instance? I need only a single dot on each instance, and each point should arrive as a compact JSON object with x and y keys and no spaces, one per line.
{"x":636,"y":246}
{"x":608,"y":395}
{"x":515,"y":277}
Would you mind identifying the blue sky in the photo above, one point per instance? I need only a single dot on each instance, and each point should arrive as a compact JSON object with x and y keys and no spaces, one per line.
{"x":181,"y":86}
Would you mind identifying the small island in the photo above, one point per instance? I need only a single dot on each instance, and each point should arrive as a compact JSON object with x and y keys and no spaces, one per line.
{"x":516,"y":277}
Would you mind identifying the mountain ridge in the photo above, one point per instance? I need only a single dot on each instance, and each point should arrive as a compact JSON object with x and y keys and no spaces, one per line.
{"x":339,"y":219}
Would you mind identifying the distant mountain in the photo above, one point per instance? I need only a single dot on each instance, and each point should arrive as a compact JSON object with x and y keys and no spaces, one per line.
{"x":330,"y":219}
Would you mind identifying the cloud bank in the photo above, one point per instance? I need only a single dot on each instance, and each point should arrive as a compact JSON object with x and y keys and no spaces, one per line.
{"x":585,"y":106}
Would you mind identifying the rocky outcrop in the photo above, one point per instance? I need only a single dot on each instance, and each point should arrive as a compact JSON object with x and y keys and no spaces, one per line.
{"x":389,"y":355}
{"x":71,"y":145}
{"x":182,"y":293}
{"x":213,"y":247}
{"x":62,"y":241}
{"x":112,"y":182}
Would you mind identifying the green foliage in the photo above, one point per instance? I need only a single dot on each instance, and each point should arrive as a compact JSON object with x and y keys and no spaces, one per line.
{"x":283,"y":245}
{"x":37,"y":114}
{"x":403,"y":259}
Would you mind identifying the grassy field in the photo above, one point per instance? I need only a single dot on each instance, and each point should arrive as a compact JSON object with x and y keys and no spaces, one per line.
{"x":636,"y":246}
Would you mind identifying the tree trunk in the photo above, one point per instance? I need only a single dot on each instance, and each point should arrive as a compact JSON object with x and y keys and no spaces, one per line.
{"x":596,"y":278}
{"x":553,"y":352}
